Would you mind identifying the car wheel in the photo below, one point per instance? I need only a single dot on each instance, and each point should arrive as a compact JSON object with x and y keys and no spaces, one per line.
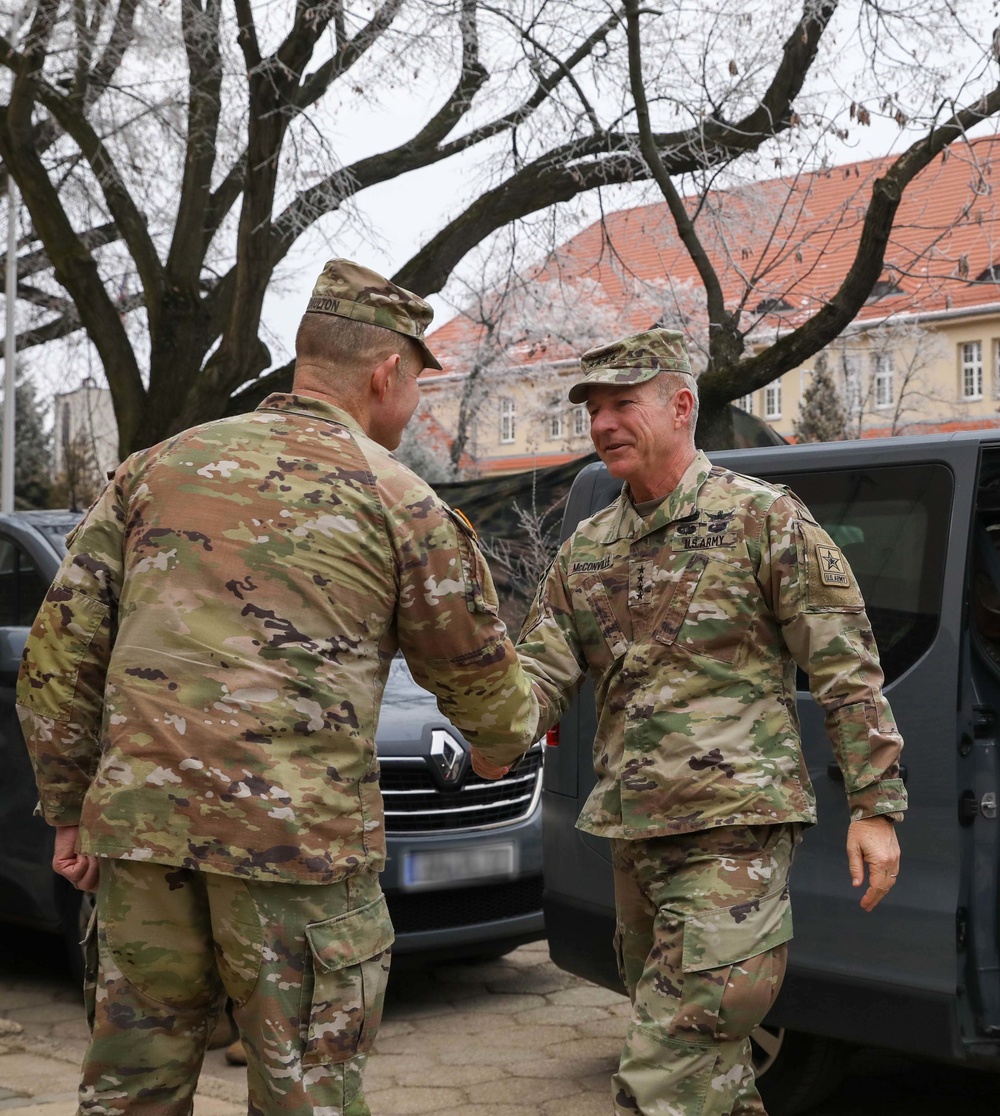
{"x":795,"y":1072}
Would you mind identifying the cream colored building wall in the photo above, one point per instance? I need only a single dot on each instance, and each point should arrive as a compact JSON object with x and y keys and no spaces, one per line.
{"x":89,"y":413}
{"x":521,"y":413}
{"x":928,"y":380}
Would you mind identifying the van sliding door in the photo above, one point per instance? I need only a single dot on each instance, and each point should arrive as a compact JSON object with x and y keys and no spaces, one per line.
{"x":888,"y":977}
{"x":979,"y":767}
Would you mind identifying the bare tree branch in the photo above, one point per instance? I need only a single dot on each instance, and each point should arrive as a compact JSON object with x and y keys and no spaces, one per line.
{"x":789,"y":351}
{"x":202,"y":46}
{"x":204,"y":160}
{"x":127,"y":216}
{"x":74,"y":265}
{"x":32,"y":263}
{"x":717,"y":314}
{"x":349,"y":51}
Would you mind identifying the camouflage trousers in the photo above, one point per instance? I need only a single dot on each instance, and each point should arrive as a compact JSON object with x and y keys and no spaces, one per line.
{"x":702,"y":922}
{"x":305,"y":966}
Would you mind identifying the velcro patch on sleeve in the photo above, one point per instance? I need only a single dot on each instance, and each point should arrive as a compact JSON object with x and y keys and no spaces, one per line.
{"x":832,"y":568}
{"x":831,"y":582}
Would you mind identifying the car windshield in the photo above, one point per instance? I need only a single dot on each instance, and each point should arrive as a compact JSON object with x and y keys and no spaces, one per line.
{"x":400,"y":687}
{"x":55,"y":530}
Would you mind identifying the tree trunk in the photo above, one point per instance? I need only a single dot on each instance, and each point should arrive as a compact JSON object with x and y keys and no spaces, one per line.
{"x":715,"y":427}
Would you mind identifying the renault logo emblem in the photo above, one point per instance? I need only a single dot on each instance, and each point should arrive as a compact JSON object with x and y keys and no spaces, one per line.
{"x":447,"y":755}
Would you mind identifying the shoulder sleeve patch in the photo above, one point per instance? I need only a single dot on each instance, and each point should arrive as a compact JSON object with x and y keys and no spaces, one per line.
{"x":831,"y":566}
{"x":831,"y":582}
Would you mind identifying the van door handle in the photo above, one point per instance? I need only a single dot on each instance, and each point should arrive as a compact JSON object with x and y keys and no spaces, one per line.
{"x":837,"y":775}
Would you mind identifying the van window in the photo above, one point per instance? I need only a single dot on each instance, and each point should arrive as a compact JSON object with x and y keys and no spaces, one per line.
{"x":21,"y":585}
{"x":891,"y":524}
{"x":984,"y":595}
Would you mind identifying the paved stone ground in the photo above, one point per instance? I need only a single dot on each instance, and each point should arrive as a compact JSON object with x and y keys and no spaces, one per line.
{"x":503,"y":1038}
{"x":514,"y":1037}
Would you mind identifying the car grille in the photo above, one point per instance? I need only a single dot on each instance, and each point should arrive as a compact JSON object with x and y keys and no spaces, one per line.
{"x":415,"y":803}
{"x":464,"y":906}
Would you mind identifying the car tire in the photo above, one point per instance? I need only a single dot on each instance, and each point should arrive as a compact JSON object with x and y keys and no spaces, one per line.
{"x":795,"y":1071}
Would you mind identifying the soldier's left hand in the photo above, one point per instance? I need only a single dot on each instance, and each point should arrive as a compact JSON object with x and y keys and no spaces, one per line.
{"x":484,"y":769}
{"x":82,"y":870}
{"x":872,"y":841}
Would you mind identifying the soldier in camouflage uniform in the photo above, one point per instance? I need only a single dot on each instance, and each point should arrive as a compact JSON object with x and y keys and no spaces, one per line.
{"x":199,"y":695}
{"x":690,"y":600}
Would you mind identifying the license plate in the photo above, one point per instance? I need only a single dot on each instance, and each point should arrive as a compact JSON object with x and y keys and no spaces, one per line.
{"x":439,"y":866}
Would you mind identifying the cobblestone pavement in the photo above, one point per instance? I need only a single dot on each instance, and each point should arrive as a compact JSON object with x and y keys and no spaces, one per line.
{"x":514,"y":1037}
{"x":503,"y":1038}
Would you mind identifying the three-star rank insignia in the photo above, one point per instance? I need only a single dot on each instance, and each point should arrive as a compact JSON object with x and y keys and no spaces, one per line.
{"x":832,"y":567}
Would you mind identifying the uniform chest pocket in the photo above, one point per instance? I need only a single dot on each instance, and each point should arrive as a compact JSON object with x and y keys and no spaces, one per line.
{"x":710,"y":609}
{"x":604,"y":640}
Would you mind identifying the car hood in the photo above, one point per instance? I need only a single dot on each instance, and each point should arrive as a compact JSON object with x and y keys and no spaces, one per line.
{"x":408,"y":716}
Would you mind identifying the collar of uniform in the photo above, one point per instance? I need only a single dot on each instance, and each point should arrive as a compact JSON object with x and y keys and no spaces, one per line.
{"x":311,"y":407}
{"x":682,"y":503}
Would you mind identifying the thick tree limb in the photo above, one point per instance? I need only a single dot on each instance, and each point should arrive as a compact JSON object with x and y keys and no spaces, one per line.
{"x":66,"y":325}
{"x":101,"y":76}
{"x":425,"y":149}
{"x":720,"y":386}
{"x":552,"y":178}
{"x":472,"y":78}
{"x":27,"y":292}
{"x":31,"y":263}
{"x":74,"y":266}
{"x":203,"y":49}
{"x":247,"y":34}
{"x":51,"y":331}
{"x":123,"y":208}
{"x":349,"y":52}
{"x":650,"y":152}
{"x":273,"y":82}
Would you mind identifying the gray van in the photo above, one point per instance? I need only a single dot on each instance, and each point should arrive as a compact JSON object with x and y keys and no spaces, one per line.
{"x":919,"y":520}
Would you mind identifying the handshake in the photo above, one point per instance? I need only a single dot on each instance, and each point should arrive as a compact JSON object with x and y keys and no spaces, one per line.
{"x":484,"y":769}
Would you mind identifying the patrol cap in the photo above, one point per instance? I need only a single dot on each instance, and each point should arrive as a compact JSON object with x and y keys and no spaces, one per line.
{"x":632,"y":360}
{"x":349,"y":290}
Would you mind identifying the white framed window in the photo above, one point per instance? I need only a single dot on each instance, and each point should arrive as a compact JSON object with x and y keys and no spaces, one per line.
{"x":508,"y":424}
{"x":972,"y":369}
{"x":580,"y":420}
{"x":557,"y":419}
{"x":884,"y":375}
{"x":772,"y":400}
{"x":745,"y":403}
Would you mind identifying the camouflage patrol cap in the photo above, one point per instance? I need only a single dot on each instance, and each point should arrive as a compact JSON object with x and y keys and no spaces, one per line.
{"x":632,"y":360}
{"x":349,"y":290}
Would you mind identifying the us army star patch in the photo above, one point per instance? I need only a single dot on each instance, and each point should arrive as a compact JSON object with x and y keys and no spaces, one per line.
{"x":831,"y":566}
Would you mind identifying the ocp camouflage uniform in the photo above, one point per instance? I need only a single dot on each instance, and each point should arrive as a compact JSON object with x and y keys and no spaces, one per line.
{"x":200,"y":693}
{"x":690,"y":621}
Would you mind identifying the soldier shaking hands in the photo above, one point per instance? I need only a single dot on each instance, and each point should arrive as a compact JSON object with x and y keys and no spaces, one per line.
{"x":199,"y":695}
{"x":689,"y":601}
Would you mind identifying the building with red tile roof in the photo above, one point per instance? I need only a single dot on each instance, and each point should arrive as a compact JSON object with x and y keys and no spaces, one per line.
{"x":922,"y":354}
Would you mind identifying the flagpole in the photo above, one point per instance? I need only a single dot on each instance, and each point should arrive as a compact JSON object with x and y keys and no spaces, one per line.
{"x":10,"y":341}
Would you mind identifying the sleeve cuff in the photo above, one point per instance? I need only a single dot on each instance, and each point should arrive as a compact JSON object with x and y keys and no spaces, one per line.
{"x":886,"y":797}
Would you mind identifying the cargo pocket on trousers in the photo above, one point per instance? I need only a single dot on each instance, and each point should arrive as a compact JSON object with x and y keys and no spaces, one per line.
{"x":350,"y":960}
{"x":735,"y":951}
